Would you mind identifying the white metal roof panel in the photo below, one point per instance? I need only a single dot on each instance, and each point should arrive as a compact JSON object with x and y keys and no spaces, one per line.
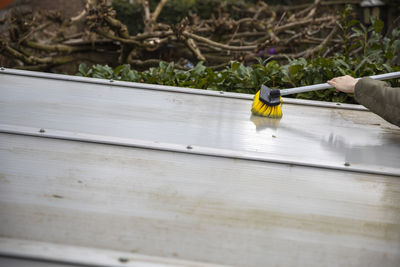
{"x":352,"y":139}
{"x":190,"y":174}
{"x":195,"y":207}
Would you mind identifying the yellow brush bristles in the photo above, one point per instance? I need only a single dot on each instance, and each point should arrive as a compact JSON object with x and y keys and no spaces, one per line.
{"x":261,"y":109}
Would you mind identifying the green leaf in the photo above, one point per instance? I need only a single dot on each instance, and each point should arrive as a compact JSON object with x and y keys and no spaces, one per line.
{"x":118,"y":69}
{"x":354,"y":46}
{"x":235,"y":65}
{"x":352,"y":23}
{"x":293,"y":70}
{"x":242,"y":71}
{"x":199,"y":69}
{"x":83,"y":69}
{"x":378,"y":25}
{"x":357,"y":32}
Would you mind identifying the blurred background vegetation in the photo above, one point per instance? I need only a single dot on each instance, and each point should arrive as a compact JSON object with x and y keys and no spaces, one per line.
{"x":224,"y":45}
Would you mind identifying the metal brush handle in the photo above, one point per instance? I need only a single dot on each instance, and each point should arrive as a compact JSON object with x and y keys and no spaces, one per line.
{"x":322,"y":86}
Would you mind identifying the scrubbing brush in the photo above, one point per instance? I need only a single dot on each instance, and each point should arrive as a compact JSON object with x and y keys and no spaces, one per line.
{"x":267,"y":102}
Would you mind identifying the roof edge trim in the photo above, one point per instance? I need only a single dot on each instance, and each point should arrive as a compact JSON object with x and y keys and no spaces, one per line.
{"x":186,"y":148}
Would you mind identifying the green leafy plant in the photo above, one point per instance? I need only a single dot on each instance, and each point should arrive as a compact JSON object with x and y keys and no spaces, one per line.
{"x":366,"y":52}
{"x":245,"y":79}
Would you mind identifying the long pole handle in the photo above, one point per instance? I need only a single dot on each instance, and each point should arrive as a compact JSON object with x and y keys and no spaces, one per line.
{"x":322,"y":86}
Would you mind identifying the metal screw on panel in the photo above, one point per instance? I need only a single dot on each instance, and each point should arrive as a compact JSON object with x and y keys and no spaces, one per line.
{"x":221,"y":92}
{"x":123,"y":259}
{"x":347,"y":164}
{"x":337,"y":104}
{"x":42,"y":130}
{"x":111,"y":81}
{"x":2,"y":68}
{"x":189,"y":147}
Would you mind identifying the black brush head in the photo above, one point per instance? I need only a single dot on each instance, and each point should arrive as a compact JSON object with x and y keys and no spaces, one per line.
{"x":269,"y":96}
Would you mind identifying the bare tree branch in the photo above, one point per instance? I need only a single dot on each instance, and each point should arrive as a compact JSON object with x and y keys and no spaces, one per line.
{"x":193,"y":47}
{"x":157,"y":12}
{"x":216,"y":44}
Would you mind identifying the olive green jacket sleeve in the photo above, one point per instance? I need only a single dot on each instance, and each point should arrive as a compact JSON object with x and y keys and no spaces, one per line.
{"x":380,"y":98}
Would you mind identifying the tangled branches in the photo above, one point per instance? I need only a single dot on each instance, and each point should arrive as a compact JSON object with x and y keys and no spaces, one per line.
{"x":44,"y":40}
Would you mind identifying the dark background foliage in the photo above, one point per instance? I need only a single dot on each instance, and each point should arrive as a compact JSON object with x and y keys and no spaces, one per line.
{"x":212,"y":44}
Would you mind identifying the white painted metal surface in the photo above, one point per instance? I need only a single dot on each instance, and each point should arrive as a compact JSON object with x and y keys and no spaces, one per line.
{"x":200,"y":208}
{"x":113,"y":170}
{"x":334,"y":138}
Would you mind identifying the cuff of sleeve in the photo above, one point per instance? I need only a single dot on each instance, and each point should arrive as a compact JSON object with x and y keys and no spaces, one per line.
{"x":358,"y":91}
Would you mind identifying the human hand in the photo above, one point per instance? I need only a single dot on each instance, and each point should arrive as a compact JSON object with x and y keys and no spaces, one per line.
{"x":344,"y":84}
